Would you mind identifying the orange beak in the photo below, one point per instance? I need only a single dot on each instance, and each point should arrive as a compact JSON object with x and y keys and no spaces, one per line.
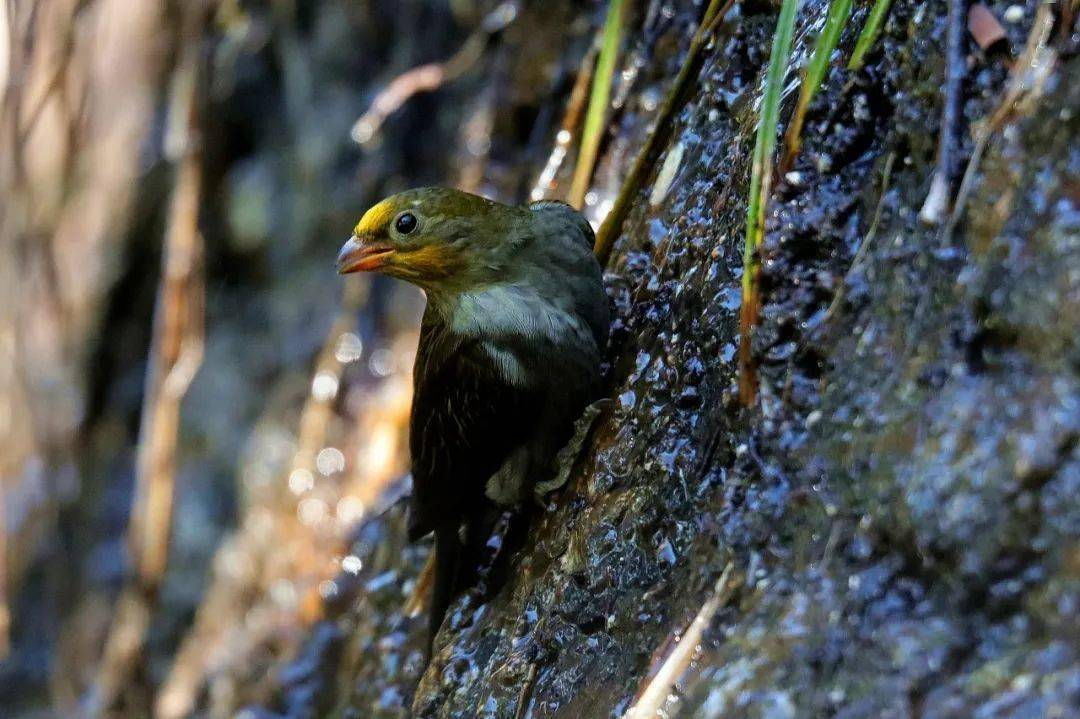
{"x":362,"y":255}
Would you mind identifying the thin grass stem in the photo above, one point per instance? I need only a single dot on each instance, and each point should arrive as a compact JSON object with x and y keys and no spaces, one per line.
{"x":598,"y":104}
{"x":658,"y":138}
{"x":869,"y":33}
{"x":835,"y":22}
{"x":760,"y":184}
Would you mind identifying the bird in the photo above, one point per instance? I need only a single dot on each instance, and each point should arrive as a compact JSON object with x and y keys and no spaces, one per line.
{"x":509,"y":355}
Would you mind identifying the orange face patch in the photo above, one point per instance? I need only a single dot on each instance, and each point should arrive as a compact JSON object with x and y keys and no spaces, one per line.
{"x":432,"y":262}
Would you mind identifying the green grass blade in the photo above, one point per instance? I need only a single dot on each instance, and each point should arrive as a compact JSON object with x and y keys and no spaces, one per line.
{"x":760,"y":184}
{"x":839,"y":12}
{"x":661,"y":132}
{"x":869,"y":33}
{"x":598,"y":103}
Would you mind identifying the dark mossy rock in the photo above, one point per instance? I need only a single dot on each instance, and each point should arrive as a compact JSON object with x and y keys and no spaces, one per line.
{"x":900,"y":508}
{"x":897,"y":514}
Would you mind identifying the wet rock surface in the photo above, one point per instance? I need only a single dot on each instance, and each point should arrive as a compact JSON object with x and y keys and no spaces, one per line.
{"x":899,"y":510}
{"x":897,"y":516}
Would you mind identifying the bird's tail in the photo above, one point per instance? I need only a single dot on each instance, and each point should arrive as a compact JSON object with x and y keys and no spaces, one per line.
{"x":447,"y":561}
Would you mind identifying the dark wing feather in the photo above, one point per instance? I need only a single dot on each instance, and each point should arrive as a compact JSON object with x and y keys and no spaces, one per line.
{"x":465,"y":421}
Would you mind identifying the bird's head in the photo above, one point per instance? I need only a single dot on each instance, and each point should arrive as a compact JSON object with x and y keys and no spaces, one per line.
{"x":440,"y":239}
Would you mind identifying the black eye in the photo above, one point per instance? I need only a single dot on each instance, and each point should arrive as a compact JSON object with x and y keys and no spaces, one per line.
{"x":406,"y":223}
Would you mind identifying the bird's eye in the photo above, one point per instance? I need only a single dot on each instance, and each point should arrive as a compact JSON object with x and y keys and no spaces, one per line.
{"x":406,"y":223}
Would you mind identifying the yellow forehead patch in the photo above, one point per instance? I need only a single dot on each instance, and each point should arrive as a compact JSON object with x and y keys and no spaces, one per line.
{"x":376,"y":218}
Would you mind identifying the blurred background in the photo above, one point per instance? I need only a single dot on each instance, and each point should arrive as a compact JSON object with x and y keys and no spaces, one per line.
{"x":180,"y":175}
{"x":202,"y":427}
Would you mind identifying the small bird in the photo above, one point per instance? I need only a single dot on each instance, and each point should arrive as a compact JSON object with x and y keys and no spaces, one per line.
{"x":509,"y":355}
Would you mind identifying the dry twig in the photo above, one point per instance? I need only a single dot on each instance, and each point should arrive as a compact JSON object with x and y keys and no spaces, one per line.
{"x":430,"y":76}
{"x":1027,"y":76}
{"x":937,"y":199}
{"x":526,"y":692}
{"x":655,"y":694}
{"x":418,"y":600}
{"x":856,"y":262}
{"x":175,"y":355}
{"x":575,"y":107}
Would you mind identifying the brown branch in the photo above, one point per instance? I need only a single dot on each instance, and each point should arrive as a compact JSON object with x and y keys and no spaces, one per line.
{"x":426,"y":78}
{"x":575,"y":110}
{"x":175,"y":354}
{"x":65,"y":181}
{"x":298,"y":552}
{"x":52,"y":87}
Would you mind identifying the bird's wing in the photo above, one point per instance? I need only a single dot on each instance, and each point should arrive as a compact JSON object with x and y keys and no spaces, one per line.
{"x":465,"y":421}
